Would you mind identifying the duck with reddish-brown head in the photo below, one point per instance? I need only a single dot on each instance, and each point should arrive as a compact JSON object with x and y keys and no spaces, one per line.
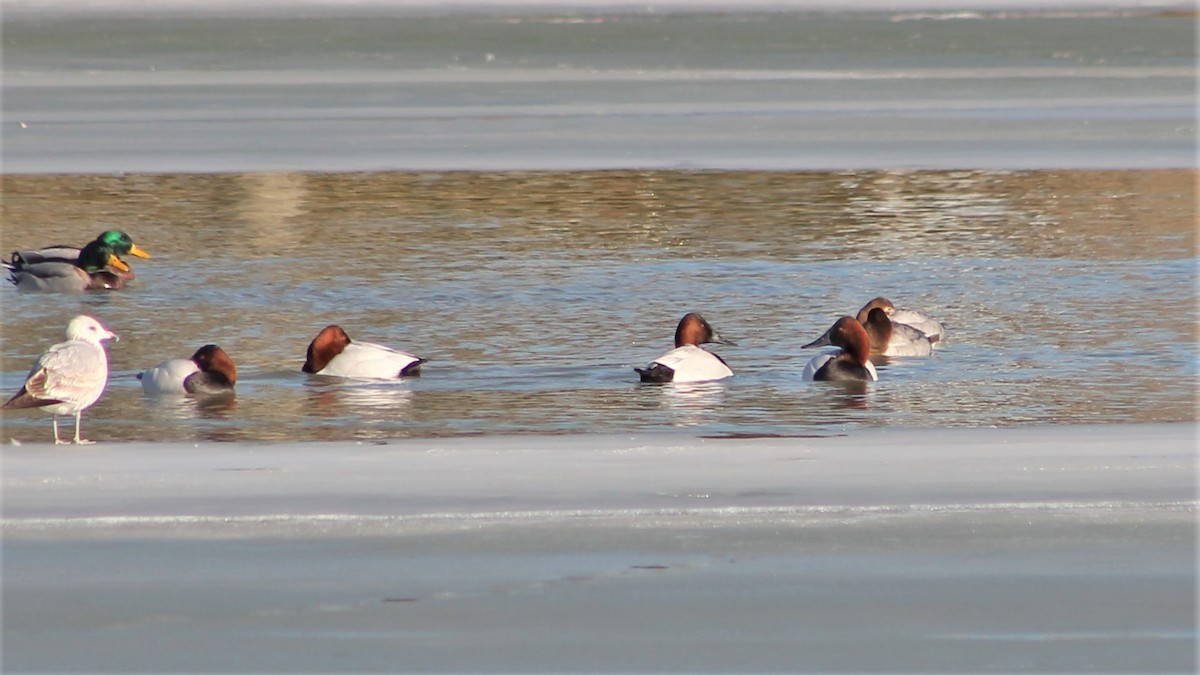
{"x":851,"y":363}
{"x":210,"y":371}
{"x":333,"y":353}
{"x":688,"y":361}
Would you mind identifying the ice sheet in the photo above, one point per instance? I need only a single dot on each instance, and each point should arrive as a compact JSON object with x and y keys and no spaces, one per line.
{"x":1031,"y":548}
{"x":392,"y":86}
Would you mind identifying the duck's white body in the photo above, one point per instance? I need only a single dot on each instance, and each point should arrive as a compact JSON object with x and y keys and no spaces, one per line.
{"x":907,"y":341}
{"x":367,"y":360}
{"x":209,"y":371}
{"x":692,"y":363}
{"x":168,"y":377}
{"x":928,"y":325}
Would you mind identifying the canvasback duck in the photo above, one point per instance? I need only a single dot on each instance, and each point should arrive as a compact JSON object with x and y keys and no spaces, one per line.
{"x":928,"y":325}
{"x":688,"y":361}
{"x":70,"y":376}
{"x":96,"y":266}
{"x":210,"y":371}
{"x":887,"y":338}
{"x":852,"y":363}
{"x":332,"y":353}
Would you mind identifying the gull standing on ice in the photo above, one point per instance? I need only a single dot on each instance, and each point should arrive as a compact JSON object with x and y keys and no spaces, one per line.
{"x":70,"y":376}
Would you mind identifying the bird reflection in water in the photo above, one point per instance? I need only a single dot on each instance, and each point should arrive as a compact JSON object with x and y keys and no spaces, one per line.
{"x":848,"y":395}
{"x":692,"y":403}
{"x":365,"y":401}
{"x":217,"y":407}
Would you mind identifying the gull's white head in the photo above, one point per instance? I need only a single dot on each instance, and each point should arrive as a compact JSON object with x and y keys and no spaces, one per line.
{"x":88,"y":329}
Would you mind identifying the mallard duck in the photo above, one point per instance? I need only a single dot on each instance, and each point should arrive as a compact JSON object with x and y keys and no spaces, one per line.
{"x":97,"y":266}
{"x":120,"y":243}
{"x":70,"y":376}
{"x":210,"y":371}
{"x":332,"y":353}
{"x":688,"y":361}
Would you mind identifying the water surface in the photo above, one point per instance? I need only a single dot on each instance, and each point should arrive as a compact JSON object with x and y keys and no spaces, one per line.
{"x":1067,"y":295}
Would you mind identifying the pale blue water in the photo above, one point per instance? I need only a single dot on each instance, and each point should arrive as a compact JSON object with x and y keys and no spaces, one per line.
{"x":1068,"y":294}
{"x":533,"y":296}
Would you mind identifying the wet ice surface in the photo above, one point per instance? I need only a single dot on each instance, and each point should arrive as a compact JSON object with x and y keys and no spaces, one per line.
{"x":1024,"y":549}
{"x":377,"y":87}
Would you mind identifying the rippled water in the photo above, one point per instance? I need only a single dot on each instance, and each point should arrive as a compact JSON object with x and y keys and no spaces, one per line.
{"x":1068,"y":296}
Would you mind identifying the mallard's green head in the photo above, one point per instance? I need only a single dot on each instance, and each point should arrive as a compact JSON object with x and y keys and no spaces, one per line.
{"x":120,"y":243}
{"x":98,"y":256}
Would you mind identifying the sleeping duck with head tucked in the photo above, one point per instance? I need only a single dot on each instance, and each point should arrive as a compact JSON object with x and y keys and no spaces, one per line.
{"x":908,"y":318}
{"x":334,"y":354}
{"x":891,"y":337}
{"x":209,"y":372}
{"x":96,"y":266}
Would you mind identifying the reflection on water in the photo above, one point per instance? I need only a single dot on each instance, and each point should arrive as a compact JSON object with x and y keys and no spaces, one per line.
{"x":337,"y":398}
{"x":172,"y":407}
{"x":1068,"y":296}
{"x":690,"y":404}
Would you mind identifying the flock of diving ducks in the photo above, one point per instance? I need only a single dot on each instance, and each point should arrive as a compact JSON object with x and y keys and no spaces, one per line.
{"x":70,"y":376}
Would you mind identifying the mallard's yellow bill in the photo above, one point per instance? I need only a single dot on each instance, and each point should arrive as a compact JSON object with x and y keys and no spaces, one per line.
{"x":115,"y":262}
{"x":134,"y":250}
